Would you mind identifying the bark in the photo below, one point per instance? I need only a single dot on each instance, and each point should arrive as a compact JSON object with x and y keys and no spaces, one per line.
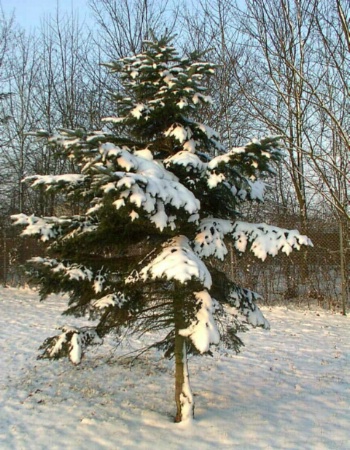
{"x":183,"y":395}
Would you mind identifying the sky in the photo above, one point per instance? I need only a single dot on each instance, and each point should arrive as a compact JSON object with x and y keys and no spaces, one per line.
{"x":28,"y":13}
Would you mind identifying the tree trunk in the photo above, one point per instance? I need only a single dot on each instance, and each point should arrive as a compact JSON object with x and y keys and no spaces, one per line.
{"x":183,"y":395}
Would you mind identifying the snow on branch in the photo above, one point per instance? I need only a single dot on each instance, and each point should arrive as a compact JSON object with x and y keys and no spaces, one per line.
{"x":116,"y":299}
{"x":261,"y":239}
{"x":49,"y":181}
{"x":243,"y":300}
{"x":264,"y":240}
{"x":179,"y":132}
{"x":71,"y":342}
{"x":256,"y":155}
{"x":210,"y":240}
{"x":187,"y":159}
{"x":45,"y":227}
{"x":177,"y":261}
{"x":72,"y":272}
{"x":257,"y":190}
{"x":203,"y":330}
{"x":141,"y":183}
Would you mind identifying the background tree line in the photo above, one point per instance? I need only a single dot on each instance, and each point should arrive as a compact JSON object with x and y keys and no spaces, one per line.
{"x":282,"y":68}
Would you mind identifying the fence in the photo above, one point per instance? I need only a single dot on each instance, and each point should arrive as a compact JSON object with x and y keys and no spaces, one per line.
{"x":316,"y":276}
{"x":15,"y":251}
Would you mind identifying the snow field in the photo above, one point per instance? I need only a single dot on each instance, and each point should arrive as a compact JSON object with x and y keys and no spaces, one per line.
{"x":289,"y":388}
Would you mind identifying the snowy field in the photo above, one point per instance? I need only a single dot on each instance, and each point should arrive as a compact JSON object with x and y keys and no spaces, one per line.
{"x":289,"y":388}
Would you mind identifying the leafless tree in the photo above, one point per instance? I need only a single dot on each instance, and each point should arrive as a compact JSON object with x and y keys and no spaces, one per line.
{"x":20,"y":111}
{"x":280,"y":34}
{"x":124,"y":24}
{"x":52,"y":85}
{"x":210,"y":28}
{"x":330,"y":153}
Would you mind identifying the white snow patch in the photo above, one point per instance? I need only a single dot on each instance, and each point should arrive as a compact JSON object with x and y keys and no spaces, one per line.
{"x":45,"y":227}
{"x":267,"y":240}
{"x":213,"y":164}
{"x":179,"y":132}
{"x":203,"y":331}
{"x":213,"y":179}
{"x":177,"y":261}
{"x":257,"y":189}
{"x":294,"y":378}
{"x":75,"y":352}
{"x":187,"y":159}
{"x":210,"y":239}
{"x":146,"y":184}
{"x":110,"y":300}
{"x":138,"y":110}
{"x":51,"y":180}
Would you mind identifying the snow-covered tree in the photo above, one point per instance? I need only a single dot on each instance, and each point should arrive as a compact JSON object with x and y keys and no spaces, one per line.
{"x":159,"y":197}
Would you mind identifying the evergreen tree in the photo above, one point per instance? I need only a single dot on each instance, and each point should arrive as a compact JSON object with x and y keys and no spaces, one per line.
{"x":158,"y":196}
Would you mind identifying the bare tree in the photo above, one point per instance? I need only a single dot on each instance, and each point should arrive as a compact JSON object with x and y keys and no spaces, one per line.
{"x":70,"y":87}
{"x":51,"y":83}
{"x":64,"y":57}
{"x":21,"y":113}
{"x":7,"y":45}
{"x":329,"y":154}
{"x":210,"y":28}
{"x":280,"y":34}
{"x":125,"y":24}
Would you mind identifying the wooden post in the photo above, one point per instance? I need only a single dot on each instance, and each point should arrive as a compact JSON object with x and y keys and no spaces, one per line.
{"x":342,"y":266}
{"x":4,"y":257}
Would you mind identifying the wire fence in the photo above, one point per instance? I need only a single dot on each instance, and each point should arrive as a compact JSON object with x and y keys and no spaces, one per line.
{"x":316,"y":276}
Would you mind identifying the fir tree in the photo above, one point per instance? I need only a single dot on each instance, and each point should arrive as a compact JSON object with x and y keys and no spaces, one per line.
{"x":159,"y":197}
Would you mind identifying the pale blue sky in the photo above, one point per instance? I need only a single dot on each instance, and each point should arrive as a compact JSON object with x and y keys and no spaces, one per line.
{"x":29,"y":12}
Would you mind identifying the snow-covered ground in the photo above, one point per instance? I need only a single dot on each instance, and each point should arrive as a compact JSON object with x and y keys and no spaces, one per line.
{"x":289,"y":388}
